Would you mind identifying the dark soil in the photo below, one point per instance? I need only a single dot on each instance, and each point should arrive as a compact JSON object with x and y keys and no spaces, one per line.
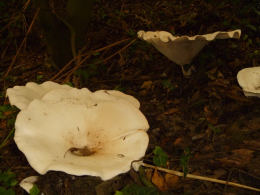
{"x":206,"y":113}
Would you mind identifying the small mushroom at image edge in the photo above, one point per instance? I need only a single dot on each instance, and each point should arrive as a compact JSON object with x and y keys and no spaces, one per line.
{"x":28,"y":182}
{"x":249,"y":81}
{"x":80,"y":132}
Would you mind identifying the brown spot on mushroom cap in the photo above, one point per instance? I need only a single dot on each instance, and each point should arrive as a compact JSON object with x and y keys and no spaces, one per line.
{"x":84,"y":151}
{"x":120,"y":155}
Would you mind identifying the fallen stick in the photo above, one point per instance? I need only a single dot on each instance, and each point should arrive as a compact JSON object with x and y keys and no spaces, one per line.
{"x":191,"y":176}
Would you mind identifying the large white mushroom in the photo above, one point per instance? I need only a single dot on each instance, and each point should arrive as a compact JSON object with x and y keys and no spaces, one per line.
{"x":182,"y":49}
{"x":80,"y":132}
{"x":249,"y":80}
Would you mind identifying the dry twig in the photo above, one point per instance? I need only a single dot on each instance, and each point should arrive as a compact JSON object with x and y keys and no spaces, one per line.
{"x":102,"y":61}
{"x":21,"y":45}
{"x":87,"y":55}
{"x":191,"y":176}
{"x":26,"y":5}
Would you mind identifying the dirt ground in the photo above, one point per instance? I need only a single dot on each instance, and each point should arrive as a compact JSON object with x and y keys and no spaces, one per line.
{"x":206,"y":113}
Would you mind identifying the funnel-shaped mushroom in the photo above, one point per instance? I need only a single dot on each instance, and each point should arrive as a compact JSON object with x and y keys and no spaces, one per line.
{"x":82,"y":133}
{"x":182,"y":49}
{"x":249,"y":80}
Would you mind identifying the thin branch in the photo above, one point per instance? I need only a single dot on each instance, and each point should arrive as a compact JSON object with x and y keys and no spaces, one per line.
{"x":102,"y":61}
{"x":61,"y":70}
{"x":88,"y":54}
{"x":76,"y":67}
{"x":120,"y":50}
{"x":111,"y":45}
{"x":5,"y":141}
{"x":191,"y":176}
{"x":26,"y":5}
{"x":21,"y":45}
{"x":12,"y":19}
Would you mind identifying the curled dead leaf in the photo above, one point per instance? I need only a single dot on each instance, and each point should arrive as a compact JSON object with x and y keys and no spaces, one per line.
{"x":149,"y":173}
{"x":172,"y":181}
{"x":147,"y":85}
{"x":178,"y":141}
{"x":158,"y":181}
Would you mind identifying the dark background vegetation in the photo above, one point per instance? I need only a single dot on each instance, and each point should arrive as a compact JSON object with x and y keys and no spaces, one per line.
{"x":206,"y":114}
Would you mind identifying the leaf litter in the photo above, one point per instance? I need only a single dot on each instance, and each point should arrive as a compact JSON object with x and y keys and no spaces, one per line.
{"x":206,"y":113}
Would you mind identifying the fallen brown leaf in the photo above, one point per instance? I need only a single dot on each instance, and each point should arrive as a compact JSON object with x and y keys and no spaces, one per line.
{"x":171,"y":111}
{"x":158,"y":181}
{"x":239,"y":158}
{"x":178,"y":141}
{"x":147,"y":85}
{"x":245,"y":154}
{"x":210,"y":115}
{"x":172,"y":181}
{"x":149,"y":173}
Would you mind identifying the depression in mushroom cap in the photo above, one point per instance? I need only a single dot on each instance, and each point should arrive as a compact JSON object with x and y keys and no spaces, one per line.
{"x":82,"y":132}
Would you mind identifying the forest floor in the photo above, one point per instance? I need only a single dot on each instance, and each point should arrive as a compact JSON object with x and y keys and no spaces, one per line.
{"x":204,"y":119}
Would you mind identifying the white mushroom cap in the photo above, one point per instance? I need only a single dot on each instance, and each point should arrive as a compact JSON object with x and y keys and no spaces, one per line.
{"x":82,"y":133}
{"x":182,"y":49}
{"x":21,"y":96}
{"x":118,"y":95}
{"x":249,"y":80}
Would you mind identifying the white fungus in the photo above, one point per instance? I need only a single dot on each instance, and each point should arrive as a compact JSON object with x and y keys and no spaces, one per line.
{"x":28,"y":182}
{"x":182,"y":49}
{"x":78,"y":131}
{"x":249,"y":80}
